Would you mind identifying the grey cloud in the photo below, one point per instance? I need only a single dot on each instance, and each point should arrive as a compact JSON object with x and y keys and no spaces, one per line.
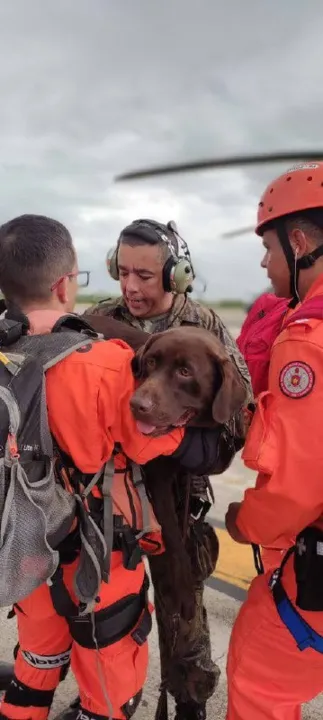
{"x":91,"y":88}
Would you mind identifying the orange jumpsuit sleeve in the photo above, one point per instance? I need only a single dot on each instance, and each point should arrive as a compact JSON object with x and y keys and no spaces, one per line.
{"x":116,"y":418}
{"x":88,"y":400}
{"x":285,"y":445}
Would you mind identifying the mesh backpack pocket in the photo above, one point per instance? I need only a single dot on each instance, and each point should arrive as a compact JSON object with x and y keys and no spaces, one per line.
{"x":35,"y":511}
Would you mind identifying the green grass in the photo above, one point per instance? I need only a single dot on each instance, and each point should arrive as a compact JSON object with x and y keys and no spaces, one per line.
{"x":90,"y":299}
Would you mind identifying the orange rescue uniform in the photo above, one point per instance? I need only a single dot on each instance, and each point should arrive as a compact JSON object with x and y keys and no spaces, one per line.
{"x":268,"y":676}
{"x":88,"y":397}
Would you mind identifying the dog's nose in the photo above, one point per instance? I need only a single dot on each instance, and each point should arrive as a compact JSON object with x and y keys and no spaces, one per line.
{"x":141,"y":404}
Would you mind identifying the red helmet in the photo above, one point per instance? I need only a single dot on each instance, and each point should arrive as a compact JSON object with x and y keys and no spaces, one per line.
{"x":298,"y":189}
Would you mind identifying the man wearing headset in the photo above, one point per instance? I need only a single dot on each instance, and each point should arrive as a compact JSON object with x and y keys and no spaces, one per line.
{"x":153,"y":265}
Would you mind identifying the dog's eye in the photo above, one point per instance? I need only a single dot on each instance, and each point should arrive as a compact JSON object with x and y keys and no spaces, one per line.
{"x":184,"y":371}
{"x":150,"y":363}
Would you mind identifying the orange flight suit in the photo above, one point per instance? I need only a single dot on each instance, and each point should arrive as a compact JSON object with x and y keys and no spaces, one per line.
{"x":268,"y":676}
{"x":88,"y":397}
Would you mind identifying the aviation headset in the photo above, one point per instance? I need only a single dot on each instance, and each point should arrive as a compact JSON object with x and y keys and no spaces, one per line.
{"x":178,"y":272}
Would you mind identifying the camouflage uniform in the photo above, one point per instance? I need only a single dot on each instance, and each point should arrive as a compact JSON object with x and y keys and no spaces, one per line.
{"x":187,"y":670}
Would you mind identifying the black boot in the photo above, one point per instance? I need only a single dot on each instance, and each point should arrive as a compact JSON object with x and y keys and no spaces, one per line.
{"x":6,"y":675}
{"x":71,"y":712}
{"x":190,"y":710}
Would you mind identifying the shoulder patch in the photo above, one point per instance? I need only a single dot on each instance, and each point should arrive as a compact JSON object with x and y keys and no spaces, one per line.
{"x":296,"y":380}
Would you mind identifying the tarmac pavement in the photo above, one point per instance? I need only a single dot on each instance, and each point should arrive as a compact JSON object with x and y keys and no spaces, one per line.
{"x":223,"y":596}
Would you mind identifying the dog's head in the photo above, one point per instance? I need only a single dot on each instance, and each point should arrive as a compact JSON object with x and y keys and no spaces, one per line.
{"x":184,"y":376}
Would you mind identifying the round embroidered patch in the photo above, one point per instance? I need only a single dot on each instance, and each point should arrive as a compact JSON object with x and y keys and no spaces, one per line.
{"x":296,"y":379}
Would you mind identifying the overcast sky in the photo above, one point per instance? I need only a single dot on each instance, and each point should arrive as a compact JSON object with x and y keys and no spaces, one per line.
{"x":92,"y":88}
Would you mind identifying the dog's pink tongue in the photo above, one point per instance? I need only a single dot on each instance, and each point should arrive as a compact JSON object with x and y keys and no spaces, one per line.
{"x":144,"y":428}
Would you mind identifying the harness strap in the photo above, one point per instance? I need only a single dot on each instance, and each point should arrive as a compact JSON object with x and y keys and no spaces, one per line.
{"x":143,"y":627}
{"x":107,"y":516}
{"x":129,"y":615}
{"x":257,"y":559}
{"x":140,"y":487}
{"x":132,"y":554}
{"x":61,"y":599}
{"x":302,"y":633}
{"x":107,"y":472}
{"x":92,"y":483}
{"x":22,"y":695}
{"x":124,"y":538}
{"x":117,"y":535}
{"x":124,"y":535}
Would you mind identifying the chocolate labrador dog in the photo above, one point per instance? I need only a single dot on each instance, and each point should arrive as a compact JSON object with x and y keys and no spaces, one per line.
{"x":184,"y":376}
{"x":185,"y":368}
{"x":113,"y":329}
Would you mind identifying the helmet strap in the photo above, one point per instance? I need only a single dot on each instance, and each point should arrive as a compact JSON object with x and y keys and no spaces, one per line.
{"x":290,"y":258}
{"x":303,"y":263}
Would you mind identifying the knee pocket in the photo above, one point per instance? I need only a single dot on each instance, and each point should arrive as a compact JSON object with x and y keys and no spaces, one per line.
{"x":123,"y":675}
{"x":128,"y":710}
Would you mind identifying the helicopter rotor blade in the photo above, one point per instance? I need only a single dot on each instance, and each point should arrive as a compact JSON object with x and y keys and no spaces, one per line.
{"x":219,"y":163}
{"x":236,"y":233}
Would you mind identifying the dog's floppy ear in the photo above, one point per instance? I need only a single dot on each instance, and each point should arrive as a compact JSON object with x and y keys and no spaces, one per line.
{"x":137,"y":361}
{"x":232,"y":394}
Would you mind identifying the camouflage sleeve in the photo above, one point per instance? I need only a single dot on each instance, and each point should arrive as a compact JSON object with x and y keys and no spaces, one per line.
{"x":104,"y":307}
{"x":238,"y":425}
{"x":217,"y":326}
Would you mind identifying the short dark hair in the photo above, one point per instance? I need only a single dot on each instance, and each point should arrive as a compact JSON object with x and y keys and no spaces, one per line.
{"x":310,"y":223}
{"x":149,"y":232}
{"x":135,"y":241}
{"x":35,"y":251}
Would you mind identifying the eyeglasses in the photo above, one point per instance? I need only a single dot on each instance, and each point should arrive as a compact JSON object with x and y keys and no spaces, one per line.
{"x":83,"y":279}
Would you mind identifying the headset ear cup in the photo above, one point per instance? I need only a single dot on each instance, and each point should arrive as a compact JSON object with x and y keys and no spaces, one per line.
{"x":182,"y":277}
{"x":167,"y":274}
{"x":178,"y":276}
{"x":112,"y":263}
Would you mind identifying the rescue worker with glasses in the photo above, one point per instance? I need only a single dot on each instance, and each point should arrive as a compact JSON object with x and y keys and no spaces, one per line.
{"x":92,"y":608}
{"x":275,"y":660}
